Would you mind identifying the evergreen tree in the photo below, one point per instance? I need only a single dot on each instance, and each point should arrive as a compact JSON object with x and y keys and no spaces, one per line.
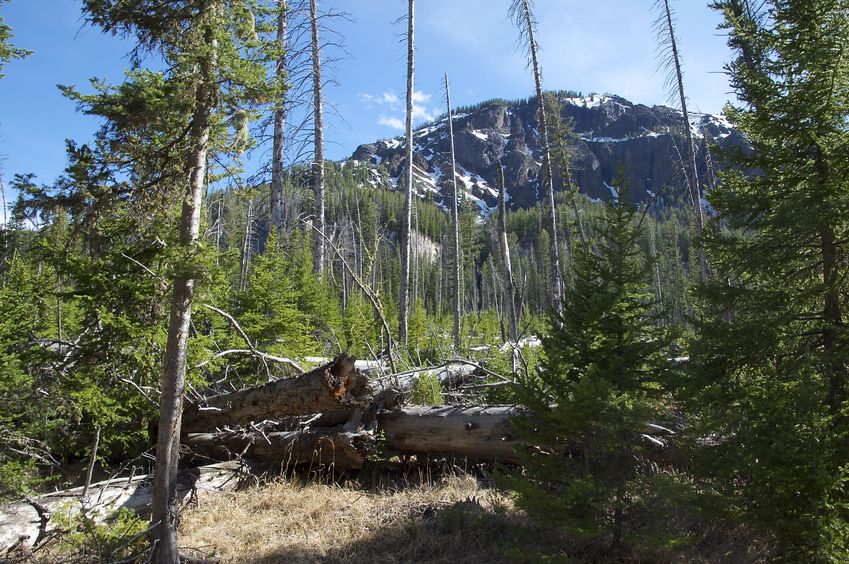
{"x":603,"y":384}
{"x":215,"y":56}
{"x":20,"y":402}
{"x":8,"y":51}
{"x":267,"y":309}
{"x":772,"y":358}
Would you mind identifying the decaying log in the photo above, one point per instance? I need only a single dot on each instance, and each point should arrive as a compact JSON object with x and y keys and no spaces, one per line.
{"x":450,"y":375}
{"x":481,"y":433}
{"x":327,"y":388}
{"x":317,"y":448}
{"x":39,"y":516}
{"x":361,"y":365}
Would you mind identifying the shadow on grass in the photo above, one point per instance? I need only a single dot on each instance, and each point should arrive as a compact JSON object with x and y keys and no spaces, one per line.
{"x":462,"y":532}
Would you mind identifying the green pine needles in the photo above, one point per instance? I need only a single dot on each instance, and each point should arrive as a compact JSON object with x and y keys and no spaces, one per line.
{"x":772,"y":361}
{"x":602,"y":389}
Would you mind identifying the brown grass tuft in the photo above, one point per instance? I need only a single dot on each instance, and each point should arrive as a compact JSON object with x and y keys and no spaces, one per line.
{"x":452,"y":519}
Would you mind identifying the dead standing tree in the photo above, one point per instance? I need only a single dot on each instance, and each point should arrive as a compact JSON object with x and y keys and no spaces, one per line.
{"x":277,"y":151}
{"x":292,"y":124}
{"x":670,"y":60}
{"x":520,"y":12}
{"x":318,"y":139}
{"x":455,"y":206}
{"x":509,"y":289}
{"x":408,"y":184}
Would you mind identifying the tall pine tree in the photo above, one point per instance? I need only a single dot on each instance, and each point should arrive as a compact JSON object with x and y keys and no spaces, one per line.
{"x":772,"y":358}
{"x":603,"y":384}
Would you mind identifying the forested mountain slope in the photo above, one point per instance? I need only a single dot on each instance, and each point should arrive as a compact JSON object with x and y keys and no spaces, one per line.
{"x":609,"y":134}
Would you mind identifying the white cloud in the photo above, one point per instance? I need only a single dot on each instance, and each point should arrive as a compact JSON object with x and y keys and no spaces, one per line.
{"x":392,"y":107}
{"x":419,"y":96}
{"x":394,"y":123}
{"x":389,"y":98}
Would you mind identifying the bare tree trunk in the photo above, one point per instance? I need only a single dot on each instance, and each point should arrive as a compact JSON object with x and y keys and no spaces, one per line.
{"x":561,"y":136}
{"x":416,"y":254}
{"x":455,"y":205}
{"x":59,"y":305}
{"x":318,"y":162}
{"x":4,"y":226}
{"x":314,"y":447}
{"x":509,"y":287}
{"x":165,"y":517}
{"x":408,"y":183}
{"x":92,"y":460}
{"x":481,"y":433}
{"x":277,"y":171}
{"x":693,"y":172}
{"x":832,"y":309}
{"x":245,"y":262}
{"x":547,"y":179}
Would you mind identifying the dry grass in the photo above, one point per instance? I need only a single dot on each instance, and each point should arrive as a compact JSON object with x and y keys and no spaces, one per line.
{"x":292,"y":521}
{"x":450,"y":519}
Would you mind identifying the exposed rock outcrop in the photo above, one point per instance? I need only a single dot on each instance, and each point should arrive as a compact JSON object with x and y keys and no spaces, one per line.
{"x":611,"y":134}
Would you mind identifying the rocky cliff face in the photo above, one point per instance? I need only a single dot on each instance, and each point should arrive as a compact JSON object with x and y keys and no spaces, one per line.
{"x":611,"y":134}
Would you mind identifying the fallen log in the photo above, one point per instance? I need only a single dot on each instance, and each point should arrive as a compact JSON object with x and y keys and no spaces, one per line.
{"x":329,"y":387}
{"x":481,"y":433}
{"x":36,"y":517}
{"x":451,"y":375}
{"x":361,"y":365}
{"x":316,"y":448}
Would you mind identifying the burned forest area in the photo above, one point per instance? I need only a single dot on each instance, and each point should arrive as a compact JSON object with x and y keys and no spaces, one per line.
{"x":262,"y":313}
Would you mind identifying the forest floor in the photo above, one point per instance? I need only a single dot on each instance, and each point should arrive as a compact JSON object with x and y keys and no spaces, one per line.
{"x":451,"y":518}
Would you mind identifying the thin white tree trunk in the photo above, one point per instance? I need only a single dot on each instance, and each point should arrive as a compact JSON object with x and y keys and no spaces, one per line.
{"x":92,"y":460}
{"x":245,"y":262}
{"x":547,"y":178}
{"x":509,"y":287}
{"x":693,"y":172}
{"x":277,"y":171}
{"x":165,"y":517}
{"x":408,"y":185}
{"x":455,"y":212}
{"x":318,"y":162}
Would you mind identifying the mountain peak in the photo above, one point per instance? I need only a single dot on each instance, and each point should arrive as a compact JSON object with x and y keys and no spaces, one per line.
{"x":611,"y":134}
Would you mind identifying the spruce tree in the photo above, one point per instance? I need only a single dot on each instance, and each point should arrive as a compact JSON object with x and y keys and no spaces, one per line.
{"x":603,"y":383}
{"x":215,"y":54}
{"x":267,"y":309}
{"x":8,"y":51}
{"x":771,"y":362}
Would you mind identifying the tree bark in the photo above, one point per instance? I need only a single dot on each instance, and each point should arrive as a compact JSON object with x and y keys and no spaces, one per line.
{"x":318,"y":161}
{"x":326,"y":388}
{"x":408,"y":184}
{"x":92,"y":460}
{"x":693,"y":174}
{"x":481,"y":433}
{"x":547,"y":177}
{"x":165,"y":515}
{"x":508,"y":285}
{"x":277,"y":171}
{"x":451,"y":375}
{"x":316,"y":448}
{"x":475,"y":432}
{"x":455,"y":206}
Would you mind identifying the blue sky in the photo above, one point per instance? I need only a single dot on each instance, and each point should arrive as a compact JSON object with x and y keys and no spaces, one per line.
{"x":600,"y":46}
